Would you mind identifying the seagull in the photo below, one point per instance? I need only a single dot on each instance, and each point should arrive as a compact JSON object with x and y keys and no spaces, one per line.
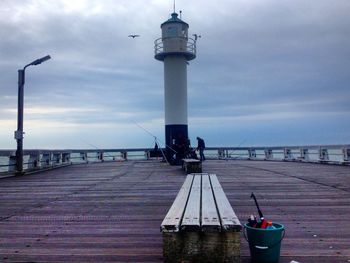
{"x":133,"y":36}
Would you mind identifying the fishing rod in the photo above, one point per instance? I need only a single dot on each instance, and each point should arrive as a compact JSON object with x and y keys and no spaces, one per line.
{"x":156,"y":141}
{"x":239,"y":145}
{"x":138,"y":125}
{"x":161,"y":150}
{"x":263,"y":222}
{"x":155,"y":137}
{"x":99,"y":149}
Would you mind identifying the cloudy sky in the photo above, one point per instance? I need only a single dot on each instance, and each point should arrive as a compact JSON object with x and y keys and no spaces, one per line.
{"x":267,"y":72}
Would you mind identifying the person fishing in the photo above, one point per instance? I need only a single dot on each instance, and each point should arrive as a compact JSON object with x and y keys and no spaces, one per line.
{"x":181,"y":147}
{"x":201,"y":147}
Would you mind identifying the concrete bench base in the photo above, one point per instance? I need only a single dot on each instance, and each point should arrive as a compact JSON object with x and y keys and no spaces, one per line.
{"x":201,"y":247}
{"x":191,"y":166}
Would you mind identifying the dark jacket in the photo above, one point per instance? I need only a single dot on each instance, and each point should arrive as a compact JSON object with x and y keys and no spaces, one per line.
{"x":201,"y":143}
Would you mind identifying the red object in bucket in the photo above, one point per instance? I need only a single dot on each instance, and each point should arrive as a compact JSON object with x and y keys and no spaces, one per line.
{"x":263,"y":221}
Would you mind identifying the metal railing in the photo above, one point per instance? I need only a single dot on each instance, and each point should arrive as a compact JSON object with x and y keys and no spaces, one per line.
{"x":160,"y":47}
{"x":331,"y":154}
{"x":35,"y":160}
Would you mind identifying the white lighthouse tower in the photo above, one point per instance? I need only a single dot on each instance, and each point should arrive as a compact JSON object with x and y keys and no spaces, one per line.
{"x":175,"y":48}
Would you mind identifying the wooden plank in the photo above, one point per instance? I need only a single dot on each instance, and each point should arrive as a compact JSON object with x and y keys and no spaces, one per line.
{"x":228,"y":218}
{"x":210,"y":217}
{"x":191,"y":218}
{"x":172,"y":220}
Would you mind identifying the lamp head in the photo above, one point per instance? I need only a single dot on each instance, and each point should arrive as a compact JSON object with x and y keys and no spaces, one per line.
{"x":40,"y":60}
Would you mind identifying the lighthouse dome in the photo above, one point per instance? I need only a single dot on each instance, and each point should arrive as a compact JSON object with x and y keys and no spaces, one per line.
{"x":175,"y":40}
{"x":174,"y":19}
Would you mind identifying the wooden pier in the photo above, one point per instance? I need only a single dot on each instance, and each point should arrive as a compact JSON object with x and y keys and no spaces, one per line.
{"x":112,"y":211}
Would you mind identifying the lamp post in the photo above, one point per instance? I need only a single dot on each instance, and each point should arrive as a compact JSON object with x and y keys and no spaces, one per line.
{"x":19,"y":133}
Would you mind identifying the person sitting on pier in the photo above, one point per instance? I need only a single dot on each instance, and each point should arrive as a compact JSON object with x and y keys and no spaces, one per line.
{"x":181,"y":144}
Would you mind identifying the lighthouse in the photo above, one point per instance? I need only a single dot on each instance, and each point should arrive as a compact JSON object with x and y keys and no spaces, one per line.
{"x":175,"y":49}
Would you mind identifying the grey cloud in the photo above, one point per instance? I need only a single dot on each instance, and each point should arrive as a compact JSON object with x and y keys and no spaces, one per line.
{"x":256,"y":57}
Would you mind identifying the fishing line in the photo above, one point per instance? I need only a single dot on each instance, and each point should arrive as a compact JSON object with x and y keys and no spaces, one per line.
{"x":156,"y":141}
{"x":155,"y":137}
{"x":239,"y":145}
{"x":99,"y":149}
{"x":138,"y":125}
{"x":161,"y":150}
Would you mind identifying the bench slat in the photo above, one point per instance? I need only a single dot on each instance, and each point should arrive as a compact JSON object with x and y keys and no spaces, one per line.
{"x":172,"y":220}
{"x":191,"y":218}
{"x":210,"y":217}
{"x":228,"y":217}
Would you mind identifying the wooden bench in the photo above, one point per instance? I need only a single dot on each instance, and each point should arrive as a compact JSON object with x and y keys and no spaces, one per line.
{"x":201,"y":225}
{"x":191,"y":166}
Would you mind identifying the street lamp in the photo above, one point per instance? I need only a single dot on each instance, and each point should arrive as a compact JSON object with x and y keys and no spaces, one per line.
{"x":19,"y":133}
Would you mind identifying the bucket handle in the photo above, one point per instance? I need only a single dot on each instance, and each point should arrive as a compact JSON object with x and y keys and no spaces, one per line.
{"x":264,"y":247}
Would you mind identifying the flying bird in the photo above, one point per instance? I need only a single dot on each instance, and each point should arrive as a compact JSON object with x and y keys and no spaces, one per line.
{"x":133,"y":36}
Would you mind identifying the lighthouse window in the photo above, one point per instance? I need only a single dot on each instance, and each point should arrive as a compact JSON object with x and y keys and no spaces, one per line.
{"x":184,"y":31}
{"x":172,"y":31}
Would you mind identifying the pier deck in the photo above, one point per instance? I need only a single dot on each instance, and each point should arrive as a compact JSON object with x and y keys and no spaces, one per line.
{"x":112,"y":211}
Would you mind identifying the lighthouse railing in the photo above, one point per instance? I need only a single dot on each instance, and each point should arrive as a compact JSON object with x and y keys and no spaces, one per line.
{"x":160,"y":47}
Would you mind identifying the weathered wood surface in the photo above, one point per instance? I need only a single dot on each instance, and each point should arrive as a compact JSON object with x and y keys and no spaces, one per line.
{"x":228,"y":218}
{"x":174,"y":216}
{"x":111,"y":212}
{"x":190,"y":220}
{"x":210,"y":217}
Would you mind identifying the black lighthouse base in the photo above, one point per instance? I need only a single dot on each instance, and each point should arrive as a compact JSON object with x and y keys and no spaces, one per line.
{"x":177,"y":142}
